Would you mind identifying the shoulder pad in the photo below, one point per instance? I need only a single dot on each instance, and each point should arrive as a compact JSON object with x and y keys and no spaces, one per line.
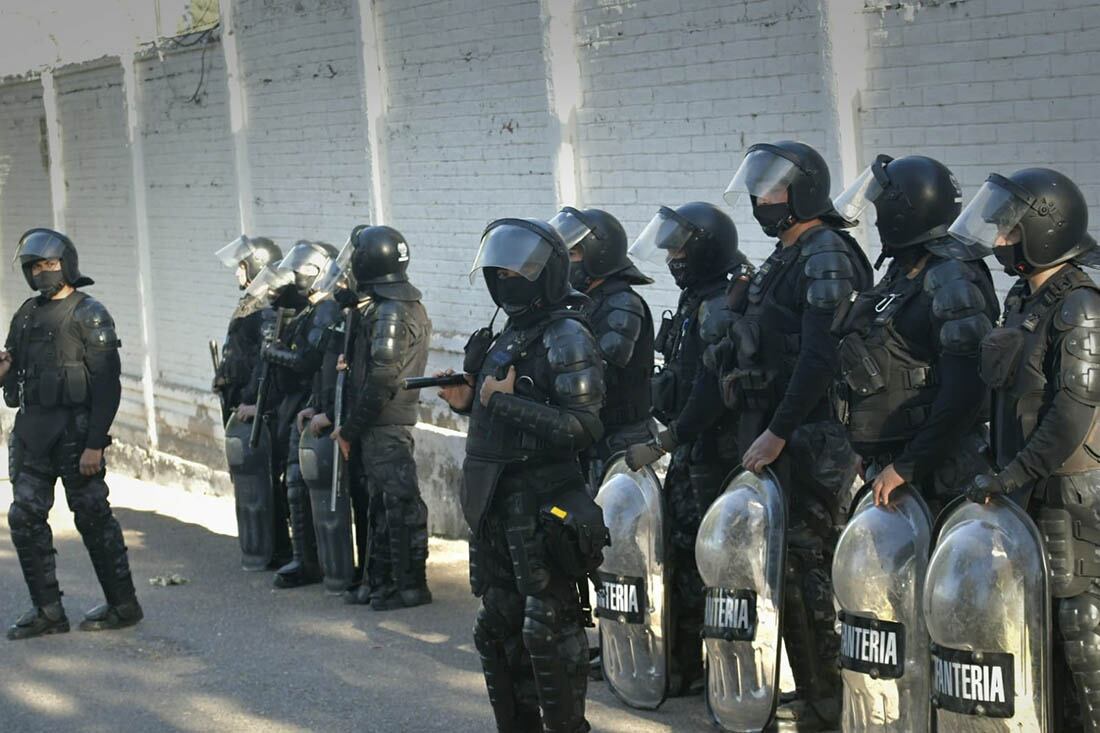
{"x":942,"y":272}
{"x":714,"y":318}
{"x":1080,"y":364}
{"x":569,"y":343}
{"x":385,"y":334}
{"x":829,"y":270}
{"x":575,"y":360}
{"x":822,"y":240}
{"x":618,"y":325}
{"x":1080,"y":308}
{"x":626,"y":300}
{"x":97,"y":324}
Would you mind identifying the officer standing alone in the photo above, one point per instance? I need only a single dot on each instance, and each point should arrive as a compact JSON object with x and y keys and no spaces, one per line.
{"x":60,"y":367}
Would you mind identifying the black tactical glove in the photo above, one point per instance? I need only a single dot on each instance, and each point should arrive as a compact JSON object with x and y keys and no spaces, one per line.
{"x":985,"y":485}
{"x":643,"y":454}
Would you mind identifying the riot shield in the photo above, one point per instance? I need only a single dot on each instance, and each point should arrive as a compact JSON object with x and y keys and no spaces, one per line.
{"x":632,"y":598}
{"x":333,"y":528}
{"x":987,"y":606}
{"x":878,"y":580}
{"x":740,"y":551}
{"x":250,"y":470}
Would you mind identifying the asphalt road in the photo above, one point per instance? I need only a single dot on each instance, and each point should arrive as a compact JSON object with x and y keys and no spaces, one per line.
{"x":226,"y":652}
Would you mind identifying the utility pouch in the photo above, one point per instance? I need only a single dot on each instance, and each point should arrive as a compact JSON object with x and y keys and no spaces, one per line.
{"x":863,"y":372}
{"x":1001,"y":351}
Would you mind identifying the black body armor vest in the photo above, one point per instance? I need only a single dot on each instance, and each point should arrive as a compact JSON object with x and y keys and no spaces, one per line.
{"x":1016,"y":362}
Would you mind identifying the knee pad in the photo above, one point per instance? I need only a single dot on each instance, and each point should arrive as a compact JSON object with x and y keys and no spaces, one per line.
{"x":1079,"y":624}
{"x":499,"y":618}
{"x":23,"y":519}
{"x":542,"y":619}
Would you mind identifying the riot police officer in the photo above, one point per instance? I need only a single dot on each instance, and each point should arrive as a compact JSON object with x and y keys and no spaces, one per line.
{"x":60,"y":367}
{"x":389,"y":342}
{"x":621,"y":322}
{"x":295,"y":358}
{"x":909,"y":345}
{"x":699,"y":243}
{"x":533,"y":394}
{"x":248,"y":256}
{"x":785,"y":361}
{"x":1042,"y":365}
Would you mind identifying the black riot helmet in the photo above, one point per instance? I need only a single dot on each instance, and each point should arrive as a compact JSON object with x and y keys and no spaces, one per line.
{"x":254,"y":253}
{"x":47,"y":244}
{"x":533,"y":249}
{"x":705,"y":233}
{"x":306,"y":266}
{"x":1039,"y":209}
{"x":915,"y":198}
{"x":380,"y":263}
{"x":381,"y":255}
{"x":601,"y":240}
{"x":786,"y":166}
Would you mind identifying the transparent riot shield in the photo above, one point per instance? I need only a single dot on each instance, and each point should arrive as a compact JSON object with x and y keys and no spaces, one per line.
{"x":632,"y":598}
{"x":987,"y":606}
{"x":878,"y":580}
{"x":253,"y":492}
{"x":740,"y":551}
{"x":333,"y":528}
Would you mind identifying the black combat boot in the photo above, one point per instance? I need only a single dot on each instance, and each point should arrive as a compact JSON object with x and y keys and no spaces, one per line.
{"x":40,"y":621}
{"x":107,"y":617}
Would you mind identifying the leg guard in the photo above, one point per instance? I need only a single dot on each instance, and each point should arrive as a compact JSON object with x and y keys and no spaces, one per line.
{"x":87,"y":497}
{"x":1079,"y":628}
{"x":809,"y":619}
{"x":303,"y":569}
{"x":687,"y":592}
{"x":558,"y":648}
{"x":407,"y":522}
{"x":498,"y":636}
{"x":31,"y":534}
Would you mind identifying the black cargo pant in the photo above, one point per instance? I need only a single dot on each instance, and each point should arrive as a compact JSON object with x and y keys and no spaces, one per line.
{"x":397,"y":514}
{"x":34,"y":473}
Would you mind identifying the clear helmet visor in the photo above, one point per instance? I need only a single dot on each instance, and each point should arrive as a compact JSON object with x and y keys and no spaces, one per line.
{"x":40,"y":244}
{"x":989,"y":218}
{"x":762,"y":174}
{"x":856,"y":199}
{"x":663,"y":236}
{"x":512,"y":247}
{"x":306,"y":263}
{"x":261,"y":291}
{"x":233,"y":253}
{"x":571,"y":229}
{"x":337,"y":273}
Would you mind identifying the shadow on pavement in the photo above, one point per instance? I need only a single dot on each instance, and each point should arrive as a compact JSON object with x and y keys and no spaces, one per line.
{"x":227,"y":652}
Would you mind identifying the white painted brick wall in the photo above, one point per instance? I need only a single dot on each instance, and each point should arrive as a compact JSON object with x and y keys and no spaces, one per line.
{"x":675,"y":92}
{"x":24,"y":183}
{"x":192,"y":206}
{"x":467,"y":137}
{"x":306,"y":124}
{"x":672,"y":94}
{"x":100,"y":211}
{"x":192,"y":210}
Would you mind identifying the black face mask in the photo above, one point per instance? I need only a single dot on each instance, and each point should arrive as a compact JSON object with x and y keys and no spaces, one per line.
{"x":679,"y":270}
{"x":578,"y":278}
{"x":517,"y":294}
{"x":1012,"y":259}
{"x":289,"y":297}
{"x":906,"y":257}
{"x":49,"y":282}
{"x":773,"y":218}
